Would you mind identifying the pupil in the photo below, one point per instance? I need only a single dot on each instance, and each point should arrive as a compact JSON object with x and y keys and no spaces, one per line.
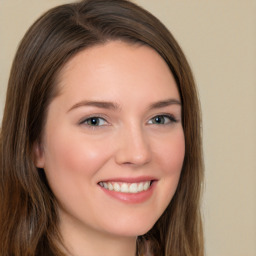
{"x":94,"y":121}
{"x":159,"y":119}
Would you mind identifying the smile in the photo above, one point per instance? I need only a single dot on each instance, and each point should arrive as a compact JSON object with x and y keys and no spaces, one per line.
{"x":125,"y":187}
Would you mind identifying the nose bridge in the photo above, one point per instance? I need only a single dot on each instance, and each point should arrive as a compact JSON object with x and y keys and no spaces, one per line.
{"x":133,"y":145}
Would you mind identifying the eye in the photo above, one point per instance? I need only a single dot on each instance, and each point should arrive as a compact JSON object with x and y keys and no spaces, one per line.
{"x":94,"y":121}
{"x":162,"y":119}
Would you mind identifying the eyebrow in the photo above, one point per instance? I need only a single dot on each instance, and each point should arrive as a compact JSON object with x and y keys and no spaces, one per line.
{"x":115,"y":106}
{"x":98,"y":104}
{"x":165,"y":103}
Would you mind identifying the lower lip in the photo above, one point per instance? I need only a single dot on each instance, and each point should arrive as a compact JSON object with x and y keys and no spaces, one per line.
{"x":132,"y":198}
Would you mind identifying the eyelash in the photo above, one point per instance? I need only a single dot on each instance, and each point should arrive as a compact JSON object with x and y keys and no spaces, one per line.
{"x":99,"y":119}
{"x":171,"y":118}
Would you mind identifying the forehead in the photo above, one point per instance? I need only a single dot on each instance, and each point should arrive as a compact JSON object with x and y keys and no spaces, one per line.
{"x":115,"y":66}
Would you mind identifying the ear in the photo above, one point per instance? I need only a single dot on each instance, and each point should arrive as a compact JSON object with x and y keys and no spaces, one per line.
{"x":38,"y":155}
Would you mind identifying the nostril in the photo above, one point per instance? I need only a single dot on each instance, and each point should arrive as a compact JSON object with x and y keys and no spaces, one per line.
{"x":133,"y":148}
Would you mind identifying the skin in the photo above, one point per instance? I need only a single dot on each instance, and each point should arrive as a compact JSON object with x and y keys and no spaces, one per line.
{"x":133,"y":137}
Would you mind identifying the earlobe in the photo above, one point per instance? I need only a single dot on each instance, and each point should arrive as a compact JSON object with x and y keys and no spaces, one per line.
{"x":38,"y":155}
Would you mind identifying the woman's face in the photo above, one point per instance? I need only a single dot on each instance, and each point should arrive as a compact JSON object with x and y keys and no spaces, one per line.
{"x":113,"y":144}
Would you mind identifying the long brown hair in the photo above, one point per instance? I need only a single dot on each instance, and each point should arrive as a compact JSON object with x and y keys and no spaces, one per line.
{"x":28,"y":215}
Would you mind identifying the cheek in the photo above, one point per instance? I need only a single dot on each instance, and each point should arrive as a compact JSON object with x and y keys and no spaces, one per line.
{"x":170,"y":157}
{"x":70,"y":160}
{"x":72,"y":167}
{"x":171,"y":154}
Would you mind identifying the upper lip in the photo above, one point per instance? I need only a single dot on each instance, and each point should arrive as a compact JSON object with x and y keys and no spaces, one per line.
{"x":130,"y":179}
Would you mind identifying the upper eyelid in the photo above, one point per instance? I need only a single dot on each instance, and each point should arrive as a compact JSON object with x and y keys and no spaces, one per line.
{"x":171,"y":117}
{"x":83,"y":120}
{"x":107,"y":118}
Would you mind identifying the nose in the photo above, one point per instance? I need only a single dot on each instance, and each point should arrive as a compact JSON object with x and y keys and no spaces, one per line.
{"x":133,"y":147}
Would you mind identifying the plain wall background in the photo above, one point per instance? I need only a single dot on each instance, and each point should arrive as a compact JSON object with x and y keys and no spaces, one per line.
{"x":219,"y":40}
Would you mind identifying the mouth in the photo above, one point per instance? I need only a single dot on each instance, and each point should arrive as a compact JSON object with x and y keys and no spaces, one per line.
{"x":126,"y":187}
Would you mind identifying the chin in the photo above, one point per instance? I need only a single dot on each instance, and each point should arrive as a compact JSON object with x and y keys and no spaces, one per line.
{"x":132,"y":227}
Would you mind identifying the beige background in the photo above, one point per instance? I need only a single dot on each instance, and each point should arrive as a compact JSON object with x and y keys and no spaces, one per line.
{"x":219,"y":39}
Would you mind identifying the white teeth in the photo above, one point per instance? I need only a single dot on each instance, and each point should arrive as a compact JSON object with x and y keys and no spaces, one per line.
{"x":116,"y":187}
{"x":146,"y":185}
{"x":126,"y":187}
{"x":140,"y":187}
{"x":110,"y":186}
{"x":133,"y":188}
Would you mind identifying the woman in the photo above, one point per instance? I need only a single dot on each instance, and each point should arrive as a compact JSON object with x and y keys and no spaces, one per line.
{"x":100,"y":140}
